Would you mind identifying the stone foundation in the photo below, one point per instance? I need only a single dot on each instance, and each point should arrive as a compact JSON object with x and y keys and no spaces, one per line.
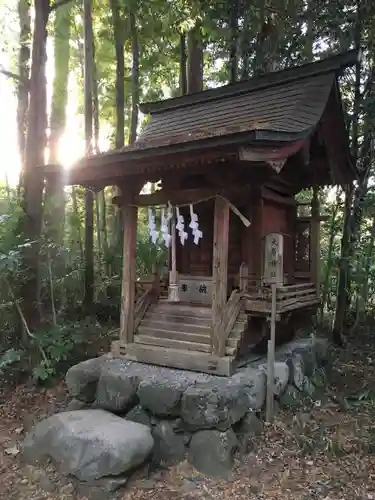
{"x":185,"y":409}
{"x":194,"y":416}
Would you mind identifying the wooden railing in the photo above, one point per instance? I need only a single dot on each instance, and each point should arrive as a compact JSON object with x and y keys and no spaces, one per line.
{"x":288,"y":298}
{"x":143,"y":303}
{"x":147,"y":290}
{"x":229,"y":316}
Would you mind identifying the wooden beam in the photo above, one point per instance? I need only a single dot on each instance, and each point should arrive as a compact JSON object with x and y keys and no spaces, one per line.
{"x":180,"y":358}
{"x":181,"y":196}
{"x":219,"y":271}
{"x":128,"y":274}
{"x":278,"y":199}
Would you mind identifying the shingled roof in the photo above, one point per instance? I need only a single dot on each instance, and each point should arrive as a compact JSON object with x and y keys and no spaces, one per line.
{"x":283,"y":106}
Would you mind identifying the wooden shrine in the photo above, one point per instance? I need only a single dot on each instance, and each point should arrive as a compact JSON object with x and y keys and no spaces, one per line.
{"x":239,"y":154}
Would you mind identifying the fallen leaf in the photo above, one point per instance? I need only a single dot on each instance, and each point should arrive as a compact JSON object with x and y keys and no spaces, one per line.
{"x":13,"y":451}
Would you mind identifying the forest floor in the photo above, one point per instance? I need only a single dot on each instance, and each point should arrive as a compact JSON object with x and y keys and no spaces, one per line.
{"x":325,"y":452}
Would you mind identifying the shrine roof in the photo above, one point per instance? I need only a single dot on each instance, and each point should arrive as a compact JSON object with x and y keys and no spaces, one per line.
{"x":283,"y":106}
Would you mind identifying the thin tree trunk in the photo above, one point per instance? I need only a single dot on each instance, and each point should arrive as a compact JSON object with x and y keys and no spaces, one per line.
{"x":24,"y":73}
{"x":118,"y":28}
{"x":79,"y":229}
{"x":341,"y":301}
{"x":369,"y":259}
{"x":195,"y":60}
{"x":135,"y":76}
{"x":233,"y":56}
{"x":55,"y":190}
{"x":245,"y":42}
{"x":329,"y":259}
{"x":183,"y":63}
{"x":89,"y":196}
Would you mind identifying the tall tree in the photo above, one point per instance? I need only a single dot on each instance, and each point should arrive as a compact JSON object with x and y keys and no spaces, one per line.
{"x":135,"y":71}
{"x":89,"y":197}
{"x":119,"y":35}
{"x":234,"y":40}
{"x":55,"y":192}
{"x":195,"y":59}
{"x":24,"y":73}
{"x":34,"y":158}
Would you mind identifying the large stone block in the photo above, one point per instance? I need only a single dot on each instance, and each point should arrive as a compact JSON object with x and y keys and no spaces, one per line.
{"x":82,"y":379}
{"x":218,"y":404}
{"x":211,"y":452}
{"x":169,"y":447}
{"x":116,"y":390}
{"x":89,"y":444}
{"x":162,"y":397}
{"x":281,"y":373}
{"x":253,"y":382}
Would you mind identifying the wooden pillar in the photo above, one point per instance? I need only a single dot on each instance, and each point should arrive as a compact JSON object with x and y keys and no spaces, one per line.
{"x":219,"y":270}
{"x":315,"y":237}
{"x":128,"y":274}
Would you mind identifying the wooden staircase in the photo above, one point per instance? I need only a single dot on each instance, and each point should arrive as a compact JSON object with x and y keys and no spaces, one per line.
{"x":179,"y":336}
{"x":184,"y":326}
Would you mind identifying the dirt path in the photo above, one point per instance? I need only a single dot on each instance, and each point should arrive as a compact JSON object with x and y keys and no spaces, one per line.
{"x":326,"y":452}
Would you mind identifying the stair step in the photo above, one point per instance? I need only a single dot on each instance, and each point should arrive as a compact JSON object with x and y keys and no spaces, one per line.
{"x":172,"y":343}
{"x":173,"y":335}
{"x":178,"y":319}
{"x":184,"y":309}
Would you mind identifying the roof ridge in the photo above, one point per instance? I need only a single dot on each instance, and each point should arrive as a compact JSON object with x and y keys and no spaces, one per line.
{"x":333,"y":64}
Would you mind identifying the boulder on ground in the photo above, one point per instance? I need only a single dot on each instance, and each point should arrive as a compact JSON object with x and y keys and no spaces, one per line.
{"x":89,"y":444}
{"x":218,"y":404}
{"x":247,"y":428}
{"x":82,"y":379}
{"x":169,"y":447}
{"x":116,"y":390}
{"x":211,"y":452}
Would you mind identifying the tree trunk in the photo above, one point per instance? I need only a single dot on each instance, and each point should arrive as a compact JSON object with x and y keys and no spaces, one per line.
{"x":24,"y":73}
{"x":55,"y":190}
{"x":135,"y":76}
{"x":118,"y":28}
{"x":233,"y":59}
{"x":89,"y":196}
{"x":329,"y":259}
{"x":245,"y":42}
{"x":352,"y":207}
{"x":34,"y":158}
{"x":368,"y":260}
{"x":341,"y":301}
{"x":183,"y":62}
{"x":195,"y":60}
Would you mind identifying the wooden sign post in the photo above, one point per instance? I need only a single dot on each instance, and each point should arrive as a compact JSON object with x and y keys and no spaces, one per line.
{"x":271,"y":359}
